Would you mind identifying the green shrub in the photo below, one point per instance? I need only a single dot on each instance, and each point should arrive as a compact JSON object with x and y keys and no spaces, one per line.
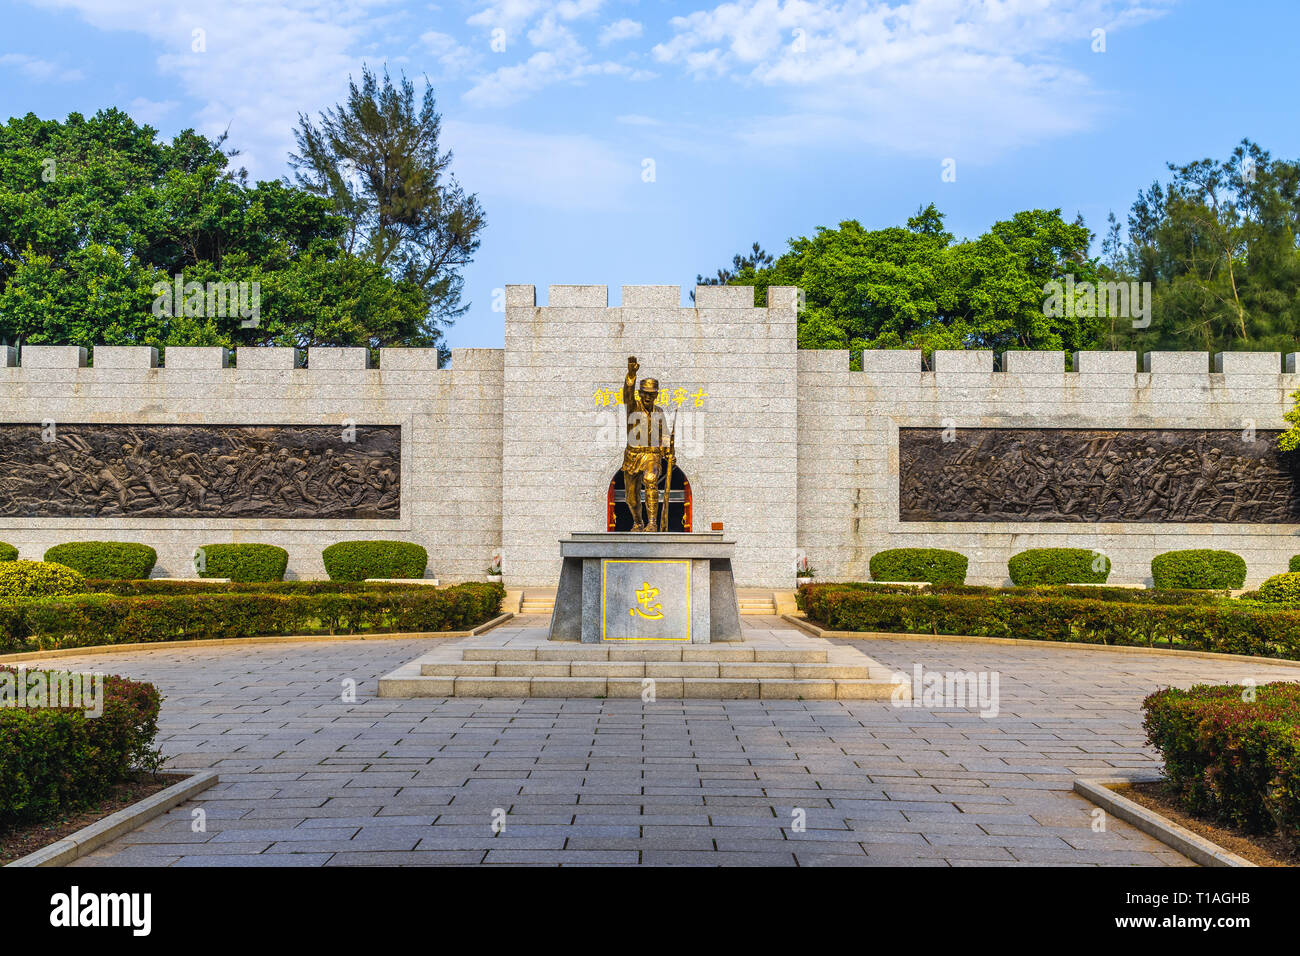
{"x":358,"y":560}
{"x":38,"y":579}
{"x":919,"y":564}
{"x":105,"y":559}
{"x":1223,"y":626}
{"x":244,"y":562}
{"x":1100,"y":593}
{"x":55,"y":761}
{"x":1221,"y":570}
{"x":153,"y":586}
{"x":1294,"y":563}
{"x":1039,"y":566}
{"x":1283,"y":589}
{"x":8,"y":552}
{"x":1231,"y":753}
{"x":94,"y":619}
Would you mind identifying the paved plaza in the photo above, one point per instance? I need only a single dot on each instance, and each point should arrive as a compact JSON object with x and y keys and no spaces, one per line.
{"x":309,"y":780}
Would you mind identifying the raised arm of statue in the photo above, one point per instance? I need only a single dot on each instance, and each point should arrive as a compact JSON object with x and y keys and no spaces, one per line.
{"x":629,"y":383}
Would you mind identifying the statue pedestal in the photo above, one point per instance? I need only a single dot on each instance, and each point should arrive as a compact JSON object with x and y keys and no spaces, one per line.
{"x":646,"y":588}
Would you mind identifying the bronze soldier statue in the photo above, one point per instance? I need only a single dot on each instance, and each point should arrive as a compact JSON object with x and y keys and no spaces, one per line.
{"x":642,"y":458}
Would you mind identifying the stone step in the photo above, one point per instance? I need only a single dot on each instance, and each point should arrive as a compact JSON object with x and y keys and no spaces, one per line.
{"x":707,"y":688}
{"x":766,"y":670}
{"x":710,"y":653}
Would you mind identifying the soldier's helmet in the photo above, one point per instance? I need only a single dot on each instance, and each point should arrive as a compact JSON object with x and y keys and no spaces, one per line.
{"x":649,"y":386}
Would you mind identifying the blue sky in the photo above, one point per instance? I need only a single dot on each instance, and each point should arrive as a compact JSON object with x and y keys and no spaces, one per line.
{"x":763,"y":118}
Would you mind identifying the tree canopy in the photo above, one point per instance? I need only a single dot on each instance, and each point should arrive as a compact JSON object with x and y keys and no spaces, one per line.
{"x":377,"y":159}
{"x":97,"y":214}
{"x":916,"y":287}
{"x":1218,"y":243}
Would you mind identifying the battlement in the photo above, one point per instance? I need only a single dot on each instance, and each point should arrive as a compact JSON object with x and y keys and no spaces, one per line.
{"x":650,"y":297}
{"x":1249,"y":367}
{"x":310,"y":362}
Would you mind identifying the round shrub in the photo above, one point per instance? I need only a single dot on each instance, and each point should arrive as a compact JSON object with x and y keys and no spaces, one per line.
{"x":1058,"y":566}
{"x":1281,"y":589}
{"x":55,"y":761}
{"x":38,"y":579}
{"x":242,"y":562}
{"x":1294,"y":564}
{"x":919,"y":564}
{"x":105,"y":559}
{"x":1220,"y":570}
{"x":358,"y":560}
{"x":8,"y":552}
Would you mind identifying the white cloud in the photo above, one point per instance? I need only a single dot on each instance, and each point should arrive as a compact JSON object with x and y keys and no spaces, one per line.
{"x":514,"y":15}
{"x":624,"y":29}
{"x":261,"y":63}
{"x":560,"y":56}
{"x":510,"y":84}
{"x":152,"y":112}
{"x":455,"y":58}
{"x":946,"y":77}
{"x":43,"y":71}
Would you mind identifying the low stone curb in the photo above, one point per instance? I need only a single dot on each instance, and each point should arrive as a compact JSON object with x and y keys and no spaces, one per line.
{"x":1189,"y":844}
{"x":241,"y":641}
{"x":805,"y":625}
{"x":91,"y":838}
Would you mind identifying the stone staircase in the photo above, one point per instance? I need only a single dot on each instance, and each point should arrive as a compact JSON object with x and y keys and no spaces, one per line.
{"x":520,"y":662}
{"x":756,"y":602}
{"x":537,"y":602}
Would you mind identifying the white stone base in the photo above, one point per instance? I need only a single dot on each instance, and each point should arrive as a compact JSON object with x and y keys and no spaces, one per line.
{"x":514,"y":661}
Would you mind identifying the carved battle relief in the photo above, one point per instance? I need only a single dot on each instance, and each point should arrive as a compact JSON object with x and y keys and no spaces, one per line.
{"x":1089,"y":475}
{"x":193,"y":471}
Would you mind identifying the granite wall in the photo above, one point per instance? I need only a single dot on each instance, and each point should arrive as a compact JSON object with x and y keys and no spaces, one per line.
{"x":792,"y":452}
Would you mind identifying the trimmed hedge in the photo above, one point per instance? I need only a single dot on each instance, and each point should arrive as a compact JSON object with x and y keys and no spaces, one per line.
{"x":38,"y":579}
{"x":105,"y":559}
{"x":94,"y":619}
{"x":8,"y":552}
{"x":933,"y":565}
{"x":244,"y":562}
{"x":1039,"y":566}
{"x":1232,"y":753}
{"x":1294,"y":563}
{"x":1220,"y":570}
{"x":1223,"y":626}
{"x":358,"y":560}
{"x":1114,"y":593}
{"x":57,"y":760}
{"x":1282,"y":589}
{"x":151,"y":586}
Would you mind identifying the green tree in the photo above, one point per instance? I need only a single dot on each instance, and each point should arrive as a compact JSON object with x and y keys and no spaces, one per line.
{"x":1218,"y":243}
{"x":377,"y":159}
{"x":915,"y":287}
{"x":94,"y":213}
{"x":743,"y":264}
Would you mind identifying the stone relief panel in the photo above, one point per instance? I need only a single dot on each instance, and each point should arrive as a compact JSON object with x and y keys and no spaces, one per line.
{"x":1089,"y":475}
{"x":200,"y":471}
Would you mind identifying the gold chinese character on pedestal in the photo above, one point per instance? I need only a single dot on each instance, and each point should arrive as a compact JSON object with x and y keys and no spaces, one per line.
{"x":644,"y":595}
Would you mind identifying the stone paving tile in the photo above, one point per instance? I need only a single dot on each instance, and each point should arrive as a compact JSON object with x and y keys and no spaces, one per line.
{"x":310,"y":781}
